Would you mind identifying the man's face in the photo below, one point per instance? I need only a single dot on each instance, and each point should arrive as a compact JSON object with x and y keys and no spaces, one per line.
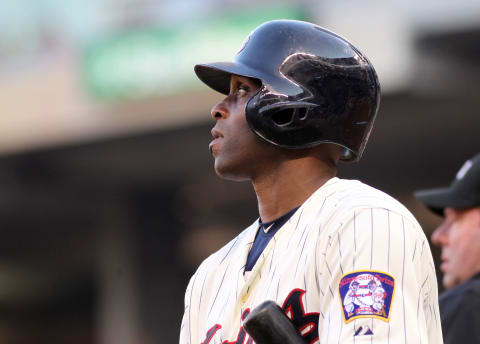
{"x":236,"y":149}
{"x":459,"y":237}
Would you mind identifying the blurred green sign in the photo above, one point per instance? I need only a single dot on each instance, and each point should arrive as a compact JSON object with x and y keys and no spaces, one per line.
{"x":142,"y":63}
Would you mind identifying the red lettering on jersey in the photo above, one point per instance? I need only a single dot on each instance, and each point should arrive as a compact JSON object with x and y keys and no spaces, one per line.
{"x":305,"y":323}
{"x":211,"y":332}
{"x":241,"y":333}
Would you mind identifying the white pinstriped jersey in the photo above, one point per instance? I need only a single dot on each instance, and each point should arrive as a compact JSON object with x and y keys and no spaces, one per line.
{"x":352,"y":265}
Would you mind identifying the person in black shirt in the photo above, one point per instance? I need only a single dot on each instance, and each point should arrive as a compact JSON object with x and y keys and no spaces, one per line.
{"x":459,"y":238}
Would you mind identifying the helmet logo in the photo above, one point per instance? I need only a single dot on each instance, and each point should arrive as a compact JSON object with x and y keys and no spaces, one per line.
{"x":245,"y":42}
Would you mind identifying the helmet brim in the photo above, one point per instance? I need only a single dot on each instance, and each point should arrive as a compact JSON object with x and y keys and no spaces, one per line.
{"x":217,"y":75}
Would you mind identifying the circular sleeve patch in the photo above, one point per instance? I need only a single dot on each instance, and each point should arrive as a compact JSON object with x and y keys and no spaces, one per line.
{"x":366,"y":294}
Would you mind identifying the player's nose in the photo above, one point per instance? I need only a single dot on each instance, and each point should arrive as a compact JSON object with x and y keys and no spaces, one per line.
{"x":219,"y":111}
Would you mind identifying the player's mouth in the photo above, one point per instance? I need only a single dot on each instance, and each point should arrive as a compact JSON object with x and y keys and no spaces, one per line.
{"x":217,"y":138}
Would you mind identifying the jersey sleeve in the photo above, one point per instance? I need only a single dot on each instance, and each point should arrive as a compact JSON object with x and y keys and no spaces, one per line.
{"x":188,"y":331}
{"x":185,"y":327}
{"x":379,"y":280}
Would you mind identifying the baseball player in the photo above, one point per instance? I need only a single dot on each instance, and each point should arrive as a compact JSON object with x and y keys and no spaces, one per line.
{"x":299,"y":99}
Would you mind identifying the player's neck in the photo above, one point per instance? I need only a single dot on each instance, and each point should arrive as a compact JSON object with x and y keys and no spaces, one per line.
{"x":289,"y":184}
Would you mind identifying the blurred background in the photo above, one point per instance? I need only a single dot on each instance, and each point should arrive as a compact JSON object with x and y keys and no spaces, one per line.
{"x":108,"y":198}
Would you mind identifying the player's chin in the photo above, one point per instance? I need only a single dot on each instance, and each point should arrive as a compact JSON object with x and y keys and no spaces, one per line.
{"x":229,"y":171}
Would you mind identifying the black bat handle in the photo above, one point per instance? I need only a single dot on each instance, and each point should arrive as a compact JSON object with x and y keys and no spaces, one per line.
{"x":267,"y":324}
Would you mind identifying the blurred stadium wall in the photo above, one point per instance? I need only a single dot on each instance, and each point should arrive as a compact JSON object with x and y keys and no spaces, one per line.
{"x":108,"y":197}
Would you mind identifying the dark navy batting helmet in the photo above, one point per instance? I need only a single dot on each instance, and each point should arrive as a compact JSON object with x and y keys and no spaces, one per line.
{"x":316,"y":86}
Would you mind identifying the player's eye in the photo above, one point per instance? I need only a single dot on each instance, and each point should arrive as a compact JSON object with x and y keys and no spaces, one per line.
{"x":242,"y":90}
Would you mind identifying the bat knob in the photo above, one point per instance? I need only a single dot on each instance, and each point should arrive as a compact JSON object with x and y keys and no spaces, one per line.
{"x":267,"y":324}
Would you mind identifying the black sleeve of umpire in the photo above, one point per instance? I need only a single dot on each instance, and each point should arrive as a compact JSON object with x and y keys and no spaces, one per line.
{"x":464,"y":326}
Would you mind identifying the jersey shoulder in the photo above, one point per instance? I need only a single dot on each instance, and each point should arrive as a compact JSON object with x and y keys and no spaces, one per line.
{"x":352,"y":195}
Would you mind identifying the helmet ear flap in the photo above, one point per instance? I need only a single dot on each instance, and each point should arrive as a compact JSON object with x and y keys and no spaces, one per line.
{"x":286,"y":114}
{"x":301,"y":113}
{"x":285,"y":117}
